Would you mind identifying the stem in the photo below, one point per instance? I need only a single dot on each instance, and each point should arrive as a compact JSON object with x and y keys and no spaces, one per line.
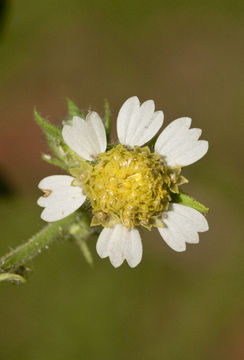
{"x":18,"y":257}
{"x":81,"y":236}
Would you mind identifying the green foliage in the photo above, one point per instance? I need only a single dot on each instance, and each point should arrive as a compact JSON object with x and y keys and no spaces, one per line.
{"x":15,"y":262}
{"x":14,"y":278}
{"x":54,"y":161}
{"x":187,"y":200}
{"x":49,"y":129}
{"x":107,"y":118}
{"x":53,"y":135}
{"x":64,"y":157}
{"x":73,"y":109}
{"x":81,"y":235}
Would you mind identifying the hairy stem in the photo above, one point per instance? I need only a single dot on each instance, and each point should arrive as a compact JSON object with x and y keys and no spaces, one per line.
{"x":17,"y":258}
{"x":81,"y":236}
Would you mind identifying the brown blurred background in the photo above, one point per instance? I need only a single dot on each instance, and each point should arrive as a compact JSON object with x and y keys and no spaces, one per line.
{"x":187,"y":56}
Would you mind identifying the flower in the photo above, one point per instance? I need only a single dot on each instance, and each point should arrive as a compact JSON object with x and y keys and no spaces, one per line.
{"x":128,"y":185}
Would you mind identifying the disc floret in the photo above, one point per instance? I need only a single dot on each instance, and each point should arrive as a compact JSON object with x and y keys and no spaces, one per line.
{"x":131,"y":186}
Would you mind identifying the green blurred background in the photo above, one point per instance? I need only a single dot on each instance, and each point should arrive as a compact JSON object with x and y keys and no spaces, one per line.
{"x":187,"y":56}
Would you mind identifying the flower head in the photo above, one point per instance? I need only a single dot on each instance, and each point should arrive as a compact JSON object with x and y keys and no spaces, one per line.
{"x":128,"y":185}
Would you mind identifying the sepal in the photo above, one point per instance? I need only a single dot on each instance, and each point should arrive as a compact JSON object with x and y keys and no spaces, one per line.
{"x":64,"y":157}
{"x":187,"y":200}
{"x":73,"y":109}
{"x":107,"y":119}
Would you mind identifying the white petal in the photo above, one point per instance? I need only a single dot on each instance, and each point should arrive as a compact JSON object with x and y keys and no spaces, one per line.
{"x":86,"y":137}
{"x":194,"y":152}
{"x":62,"y":198}
{"x":136,"y":124}
{"x":133,"y":249}
{"x":195,"y":133}
{"x":179,"y":145}
{"x":128,"y":113}
{"x":182,"y":224}
{"x":106,"y":238}
{"x":118,"y":243}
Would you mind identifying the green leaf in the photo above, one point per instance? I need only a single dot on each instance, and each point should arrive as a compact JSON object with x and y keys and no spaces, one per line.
{"x":12,"y":278}
{"x":85,"y":250}
{"x":47,"y":127}
{"x":74,"y":110}
{"x":54,"y":161}
{"x":56,"y":145}
{"x":186,"y":200}
{"x":107,"y":118}
{"x":66,"y":158}
{"x":152,"y":142}
{"x":81,"y":234}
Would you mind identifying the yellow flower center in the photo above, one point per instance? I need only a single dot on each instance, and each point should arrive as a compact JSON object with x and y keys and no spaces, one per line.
{"x":130,"y":186}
